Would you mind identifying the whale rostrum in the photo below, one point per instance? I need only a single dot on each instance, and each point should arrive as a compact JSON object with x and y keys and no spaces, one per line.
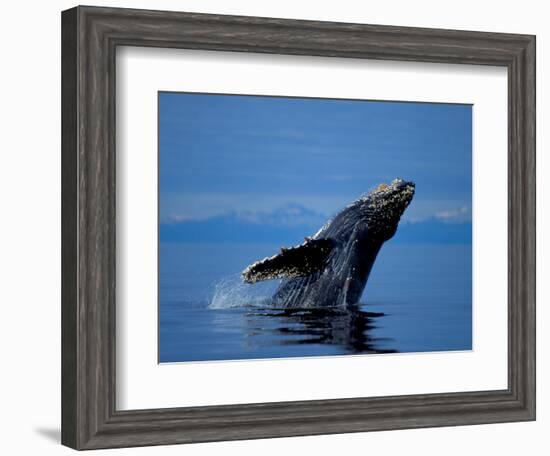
{"x":331,"y":268}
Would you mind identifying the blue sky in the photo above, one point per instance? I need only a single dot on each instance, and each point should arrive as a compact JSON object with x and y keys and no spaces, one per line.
{"x":223,"y":154}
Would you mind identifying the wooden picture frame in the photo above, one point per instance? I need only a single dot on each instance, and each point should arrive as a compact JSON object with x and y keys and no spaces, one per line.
{"x":90,"y":36}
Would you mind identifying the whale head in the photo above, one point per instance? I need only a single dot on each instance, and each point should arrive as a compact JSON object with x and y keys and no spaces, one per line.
{"x":383,"y":207}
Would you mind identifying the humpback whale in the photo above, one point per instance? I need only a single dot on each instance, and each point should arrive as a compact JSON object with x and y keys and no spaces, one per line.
{"x":331,"y":268}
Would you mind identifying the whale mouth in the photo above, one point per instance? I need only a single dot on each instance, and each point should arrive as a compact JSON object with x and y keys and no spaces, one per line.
{"x":404,"y":190}
{"x":400,"y":184}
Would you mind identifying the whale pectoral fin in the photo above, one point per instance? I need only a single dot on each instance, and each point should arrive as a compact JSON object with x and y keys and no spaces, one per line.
{"x":299,"y":261}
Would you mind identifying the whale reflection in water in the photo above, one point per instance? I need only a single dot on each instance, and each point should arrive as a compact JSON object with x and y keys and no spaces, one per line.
{"x":347,"y":330}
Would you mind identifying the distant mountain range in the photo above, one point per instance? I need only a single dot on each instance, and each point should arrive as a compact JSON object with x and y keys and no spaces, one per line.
{"x":288,"y":225}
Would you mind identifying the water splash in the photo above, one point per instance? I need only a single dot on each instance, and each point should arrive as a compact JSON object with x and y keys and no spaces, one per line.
{"x":232,"y":292}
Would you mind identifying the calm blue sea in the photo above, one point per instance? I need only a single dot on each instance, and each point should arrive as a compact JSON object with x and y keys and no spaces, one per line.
{"x":417,"y":299}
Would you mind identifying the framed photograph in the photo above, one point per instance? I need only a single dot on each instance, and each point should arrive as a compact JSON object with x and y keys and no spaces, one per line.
{"x":281,"y":227}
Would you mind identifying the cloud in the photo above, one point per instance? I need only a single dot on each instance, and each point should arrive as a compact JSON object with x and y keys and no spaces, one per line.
{"x":461,"y":214}
{"x":442,"y":210}
{"x":181,"y":218}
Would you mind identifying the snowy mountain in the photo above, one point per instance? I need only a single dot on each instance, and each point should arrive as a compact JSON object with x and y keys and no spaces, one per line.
{"x":289,"y":224}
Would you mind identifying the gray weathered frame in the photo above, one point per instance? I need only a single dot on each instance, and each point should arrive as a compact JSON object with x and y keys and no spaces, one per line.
{"x":90,"y":36}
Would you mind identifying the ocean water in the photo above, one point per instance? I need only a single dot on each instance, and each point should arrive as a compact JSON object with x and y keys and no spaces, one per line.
{"x":417,"y":299}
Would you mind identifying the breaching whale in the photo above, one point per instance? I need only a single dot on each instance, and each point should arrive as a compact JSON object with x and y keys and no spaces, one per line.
{"x":331,"y":268}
